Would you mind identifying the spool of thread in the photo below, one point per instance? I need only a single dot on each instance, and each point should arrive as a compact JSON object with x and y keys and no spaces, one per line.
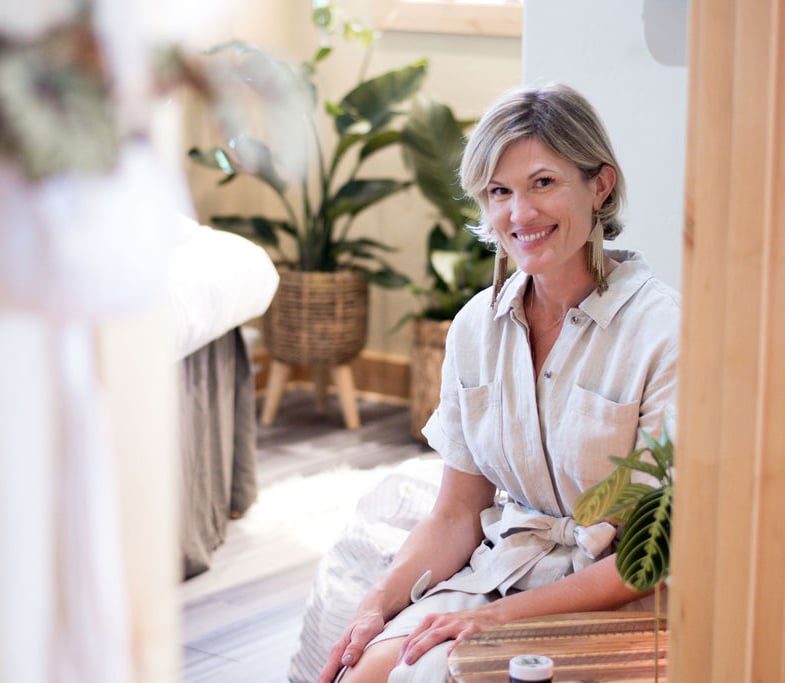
{"x":531,"y":669}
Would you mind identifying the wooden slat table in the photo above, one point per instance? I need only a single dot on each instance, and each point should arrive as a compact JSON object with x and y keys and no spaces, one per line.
{"x":586,"y":647}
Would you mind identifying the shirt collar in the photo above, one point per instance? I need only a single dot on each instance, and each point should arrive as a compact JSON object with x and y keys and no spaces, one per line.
{"x":626,"y":279}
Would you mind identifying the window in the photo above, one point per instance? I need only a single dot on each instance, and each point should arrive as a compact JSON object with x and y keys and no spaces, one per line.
{"x":468,"y":17}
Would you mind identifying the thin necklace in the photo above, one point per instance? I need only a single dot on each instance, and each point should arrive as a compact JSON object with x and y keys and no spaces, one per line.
{"x":534,"y":337}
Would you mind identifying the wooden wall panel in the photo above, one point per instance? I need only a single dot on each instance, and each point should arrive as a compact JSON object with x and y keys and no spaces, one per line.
{"x":728,"y":598}
{"x":768,"y":605}
{"x":698,"y":442}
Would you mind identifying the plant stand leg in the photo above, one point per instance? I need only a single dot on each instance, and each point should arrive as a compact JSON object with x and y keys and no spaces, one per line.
{"x":320,"y":385}
{"x":276,"y":385}
{"x":344,"y":383}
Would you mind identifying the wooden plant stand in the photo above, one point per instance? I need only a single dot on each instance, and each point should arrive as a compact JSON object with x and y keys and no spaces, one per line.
{"x":342,"y":378}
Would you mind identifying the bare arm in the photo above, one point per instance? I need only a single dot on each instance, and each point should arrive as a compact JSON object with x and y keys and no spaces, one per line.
{"x":441,"y":543}
{"x":597,"y":587}
{"x":455,"y":518}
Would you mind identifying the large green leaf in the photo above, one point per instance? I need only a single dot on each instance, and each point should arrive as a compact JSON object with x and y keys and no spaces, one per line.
{"x":661,"y":450}
{"x":385,"y":276}
{"x":438,"y":239}
{"x":594,"y":503}
{"x":345,"y":143}
{"x":360,"y":245}
{"x":477,"y":272}
{"x":445,"y":264}
{"x":369,"y":106}
{"x":626,"y":502}
{"x":260,"y":228}
{"x":388,"y":278}
{"x":646,"y":467}
{"x":643,"y":554}
{"x":434,"y":144}
{"x":379,"y":141}
{"x":356,"y":195}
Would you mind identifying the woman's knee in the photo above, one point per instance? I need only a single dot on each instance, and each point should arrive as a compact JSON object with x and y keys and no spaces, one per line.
{"x":430,"y":668}
{"x":376,"y":663}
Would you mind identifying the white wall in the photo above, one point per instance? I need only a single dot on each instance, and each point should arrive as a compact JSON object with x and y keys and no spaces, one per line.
{"x":628,"y":57}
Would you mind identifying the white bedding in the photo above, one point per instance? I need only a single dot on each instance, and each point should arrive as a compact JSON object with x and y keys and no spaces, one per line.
{"x":216,"y":282}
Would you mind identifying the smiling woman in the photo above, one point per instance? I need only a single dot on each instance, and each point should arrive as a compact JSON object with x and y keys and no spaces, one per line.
{"x":575,"y":360}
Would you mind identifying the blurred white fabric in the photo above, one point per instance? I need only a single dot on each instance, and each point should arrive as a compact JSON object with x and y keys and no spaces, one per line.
{"x":216,"y":281}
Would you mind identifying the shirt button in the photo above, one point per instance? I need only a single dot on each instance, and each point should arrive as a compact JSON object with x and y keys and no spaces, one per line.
{"x":547,"y":374}
{"x":574,"y":319}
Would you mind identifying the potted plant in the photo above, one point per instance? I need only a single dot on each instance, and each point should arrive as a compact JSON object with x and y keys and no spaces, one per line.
{"x":319,"y":315}
{"x":459,"y":266}
{"x":643,"y":551}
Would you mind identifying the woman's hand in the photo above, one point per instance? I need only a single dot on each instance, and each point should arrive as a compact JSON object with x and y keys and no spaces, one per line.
{"x":362,"y":629}
{"x":436,"y":628}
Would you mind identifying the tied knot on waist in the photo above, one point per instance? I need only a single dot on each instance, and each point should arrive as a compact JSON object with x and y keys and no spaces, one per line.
{"x":513,"y":519}
{"x":559,"y":530}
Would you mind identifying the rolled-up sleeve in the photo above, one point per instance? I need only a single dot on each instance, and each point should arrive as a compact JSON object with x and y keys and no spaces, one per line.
{"x":444,"y":430}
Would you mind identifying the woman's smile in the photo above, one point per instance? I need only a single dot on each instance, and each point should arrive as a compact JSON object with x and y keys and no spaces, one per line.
{"x":531,"y":238}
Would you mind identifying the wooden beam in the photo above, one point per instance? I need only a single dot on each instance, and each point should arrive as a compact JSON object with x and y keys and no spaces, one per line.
{"x":727,"y":609}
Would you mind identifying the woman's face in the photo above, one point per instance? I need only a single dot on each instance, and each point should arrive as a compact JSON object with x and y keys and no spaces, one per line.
{"x":540,"y":207}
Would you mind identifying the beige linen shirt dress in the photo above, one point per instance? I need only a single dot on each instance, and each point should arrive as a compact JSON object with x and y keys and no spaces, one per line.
{"x":543,"y":440}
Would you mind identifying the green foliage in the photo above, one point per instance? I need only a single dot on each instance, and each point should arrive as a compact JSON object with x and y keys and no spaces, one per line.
{"x":643,"y":554}
{"x":321,"y":205}
{"x":459,"y":266}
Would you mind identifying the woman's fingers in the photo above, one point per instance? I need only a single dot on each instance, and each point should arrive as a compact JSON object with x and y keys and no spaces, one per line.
{"x":463,"y":635}
{"x":438,"y":632}
{"x":333,"y":663}
{"x":423,"y":626}
{"x":435,"y":630}
{"x":361,"y":635}
{"x":350,"y":646}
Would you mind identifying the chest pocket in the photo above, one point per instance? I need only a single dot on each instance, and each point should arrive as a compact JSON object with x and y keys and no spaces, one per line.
{"x":594,"y":428}
{"x":481,"y":420}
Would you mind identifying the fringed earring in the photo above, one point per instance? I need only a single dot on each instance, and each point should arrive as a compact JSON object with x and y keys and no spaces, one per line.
{"x":499,"y":272}
{"x":596,"y":255}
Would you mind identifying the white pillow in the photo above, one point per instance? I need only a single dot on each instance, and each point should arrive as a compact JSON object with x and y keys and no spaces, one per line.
{"x":381,"y":523}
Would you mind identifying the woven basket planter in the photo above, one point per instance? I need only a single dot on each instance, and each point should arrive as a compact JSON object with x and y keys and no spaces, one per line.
{"x":317,"y":317}
{"x":426,"y":372}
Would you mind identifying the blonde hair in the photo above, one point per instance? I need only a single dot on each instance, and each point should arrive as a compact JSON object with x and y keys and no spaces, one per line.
{"x":562,"y":120}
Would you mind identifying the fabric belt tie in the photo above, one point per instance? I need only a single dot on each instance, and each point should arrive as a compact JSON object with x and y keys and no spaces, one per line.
{"x":524,"y":549}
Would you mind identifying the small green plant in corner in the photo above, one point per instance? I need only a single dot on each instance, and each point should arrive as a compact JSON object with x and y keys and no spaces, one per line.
{"x":643,"y":552}
{"x":318,"y":209}
{"x":458,"y":266}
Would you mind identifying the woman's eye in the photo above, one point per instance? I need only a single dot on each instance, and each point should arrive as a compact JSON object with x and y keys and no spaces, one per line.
{"x":543,"y":182}
{"x":498,"y":191}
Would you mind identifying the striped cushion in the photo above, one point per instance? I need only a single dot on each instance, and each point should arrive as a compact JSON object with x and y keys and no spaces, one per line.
{"x":382,"y":521}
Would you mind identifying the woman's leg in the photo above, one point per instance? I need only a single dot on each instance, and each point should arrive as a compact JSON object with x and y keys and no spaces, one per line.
{"x":379,"y":658}
{"x":377,"y":662}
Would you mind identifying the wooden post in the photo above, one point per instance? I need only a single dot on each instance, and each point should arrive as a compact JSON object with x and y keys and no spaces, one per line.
{"x":727,"y":605}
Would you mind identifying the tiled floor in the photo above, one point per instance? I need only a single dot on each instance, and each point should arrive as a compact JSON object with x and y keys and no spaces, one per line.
{"x":241,"y":619}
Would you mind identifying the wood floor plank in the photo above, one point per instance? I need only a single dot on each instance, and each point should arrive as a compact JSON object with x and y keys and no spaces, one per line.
{"x":242,"y":618}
